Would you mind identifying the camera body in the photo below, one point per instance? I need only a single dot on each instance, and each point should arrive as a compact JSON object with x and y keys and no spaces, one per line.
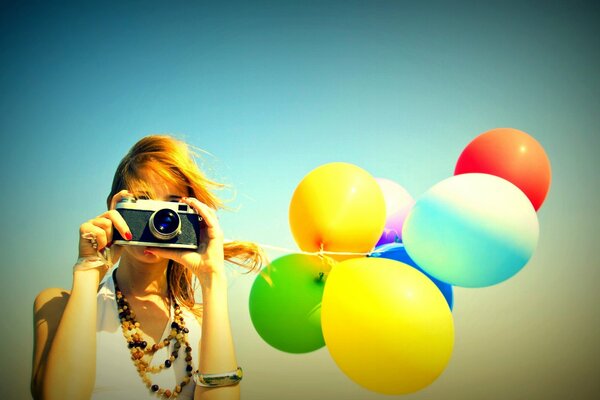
{"x":155,"y":223}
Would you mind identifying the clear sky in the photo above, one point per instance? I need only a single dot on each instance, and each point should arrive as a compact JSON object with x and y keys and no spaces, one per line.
{"x":274,"y":89}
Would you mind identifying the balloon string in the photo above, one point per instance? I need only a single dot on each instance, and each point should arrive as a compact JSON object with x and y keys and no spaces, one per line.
{"x":322,"y":254}
{"x":319,"y":253}
{"x":312,"y":253}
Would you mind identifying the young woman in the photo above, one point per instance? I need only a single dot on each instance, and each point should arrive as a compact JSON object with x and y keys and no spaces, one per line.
{"x":137,"y":332}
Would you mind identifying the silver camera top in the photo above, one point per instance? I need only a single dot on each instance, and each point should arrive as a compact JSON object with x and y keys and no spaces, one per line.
{"x":131,"y":203}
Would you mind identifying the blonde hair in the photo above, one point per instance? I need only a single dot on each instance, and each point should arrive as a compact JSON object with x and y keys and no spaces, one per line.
{"x":174,"y":161}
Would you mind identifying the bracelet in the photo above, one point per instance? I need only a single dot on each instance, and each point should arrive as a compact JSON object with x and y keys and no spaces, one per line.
{"x":99,"y":261}
{"x":216,"y":380}
{"x":87,"y":263}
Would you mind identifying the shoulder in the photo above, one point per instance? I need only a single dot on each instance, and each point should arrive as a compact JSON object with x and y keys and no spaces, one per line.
{"x":51,"y":299}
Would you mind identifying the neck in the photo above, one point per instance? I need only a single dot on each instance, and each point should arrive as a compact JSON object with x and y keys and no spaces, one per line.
{"x":140,"y":280}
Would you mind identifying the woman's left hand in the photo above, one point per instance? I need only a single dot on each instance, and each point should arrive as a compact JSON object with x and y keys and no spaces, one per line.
{"x":206,"y":263}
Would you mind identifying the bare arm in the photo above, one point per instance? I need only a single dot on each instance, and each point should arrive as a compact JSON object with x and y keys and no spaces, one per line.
{"x":216,"y":353}
{"x":65,"y":340}
{"x":48,"y":309}
{"x":64,"y":362}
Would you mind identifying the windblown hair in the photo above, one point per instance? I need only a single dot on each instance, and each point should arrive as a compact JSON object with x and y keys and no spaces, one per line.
{"x":175,"y":162}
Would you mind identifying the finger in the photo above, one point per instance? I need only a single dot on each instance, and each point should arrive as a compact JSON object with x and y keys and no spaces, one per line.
{"x":102,"y":222}
{"x":117,"y":221}
{"x":98,"y":234}
{"x":208,"y":214}
{"x":118,"y":197}
{"x":106,"y":225}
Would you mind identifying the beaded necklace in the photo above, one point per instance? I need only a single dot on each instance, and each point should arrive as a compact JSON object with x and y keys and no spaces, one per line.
{"x":139,"y":348}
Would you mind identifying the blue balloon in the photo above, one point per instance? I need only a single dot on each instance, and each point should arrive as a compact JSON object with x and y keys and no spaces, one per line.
{"x":396,"y":251}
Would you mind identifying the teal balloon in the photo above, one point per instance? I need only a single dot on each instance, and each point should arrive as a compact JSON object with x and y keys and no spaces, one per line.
{"x":285,"y":303}
{"x":471,"y":230}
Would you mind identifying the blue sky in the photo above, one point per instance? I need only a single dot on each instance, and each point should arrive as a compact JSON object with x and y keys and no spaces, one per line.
{"x":274,"y":89}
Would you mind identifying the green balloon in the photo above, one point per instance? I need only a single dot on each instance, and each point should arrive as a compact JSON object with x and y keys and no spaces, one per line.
{"x":285,"y":303}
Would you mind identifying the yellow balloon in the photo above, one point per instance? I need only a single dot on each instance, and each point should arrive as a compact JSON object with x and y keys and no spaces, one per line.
{"x":386,"y":325}
{"x":337,"y":207}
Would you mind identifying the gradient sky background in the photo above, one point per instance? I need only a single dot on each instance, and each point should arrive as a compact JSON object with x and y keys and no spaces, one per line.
{"x":275,"y":89}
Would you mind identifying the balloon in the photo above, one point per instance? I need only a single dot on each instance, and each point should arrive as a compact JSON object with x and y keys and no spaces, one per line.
{"x":337,"y":207}
{"x":386,"y":326}
{"x":510,"y":154}
{"x":285,"y":303}
{"x":396,"y":251}
{"x":398,"y":203}
{"x":471,"y":230}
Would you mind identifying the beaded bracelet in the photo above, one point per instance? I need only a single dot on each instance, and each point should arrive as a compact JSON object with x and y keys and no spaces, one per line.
{"x":216,"y":380}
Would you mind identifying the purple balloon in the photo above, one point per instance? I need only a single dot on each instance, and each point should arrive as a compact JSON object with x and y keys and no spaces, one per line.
{"x":398,"y":203}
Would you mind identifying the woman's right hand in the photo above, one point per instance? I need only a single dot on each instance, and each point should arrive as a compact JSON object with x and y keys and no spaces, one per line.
{"x":101,"y":227}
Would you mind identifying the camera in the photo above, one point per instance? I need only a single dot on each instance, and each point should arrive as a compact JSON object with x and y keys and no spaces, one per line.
{"x":157,"y":223}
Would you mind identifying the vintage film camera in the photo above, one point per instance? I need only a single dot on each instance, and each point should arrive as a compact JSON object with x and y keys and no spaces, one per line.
{"x":155,"y":223}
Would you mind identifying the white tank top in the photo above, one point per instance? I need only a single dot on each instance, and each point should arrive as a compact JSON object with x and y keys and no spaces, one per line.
{"x":116,"y":375}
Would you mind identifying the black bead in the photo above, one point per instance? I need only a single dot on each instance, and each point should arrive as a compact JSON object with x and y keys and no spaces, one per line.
{"x":186,"y":330}
{"x":175,"y":354}
{"x":189,"y":368}
{"x":154,"y":388}
{"x":130,"y":345}
{"x":175,"y":325}
{"x":143,"y":345}
{"x":167,"y":363}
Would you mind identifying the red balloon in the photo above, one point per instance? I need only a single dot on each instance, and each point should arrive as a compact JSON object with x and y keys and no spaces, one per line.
{"x":510,"y":154}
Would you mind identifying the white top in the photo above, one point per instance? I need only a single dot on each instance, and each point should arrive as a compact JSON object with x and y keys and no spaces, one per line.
{"x":116,"y":375}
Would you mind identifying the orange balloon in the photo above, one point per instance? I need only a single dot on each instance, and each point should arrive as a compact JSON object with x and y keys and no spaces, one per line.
{"x":512,"y":155}
{"x":337,"y":207}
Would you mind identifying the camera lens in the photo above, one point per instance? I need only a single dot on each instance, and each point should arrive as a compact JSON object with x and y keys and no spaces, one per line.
{"x":165,"y":224}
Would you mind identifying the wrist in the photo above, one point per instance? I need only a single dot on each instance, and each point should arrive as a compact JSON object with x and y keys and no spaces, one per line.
{"x":212,"y":276}
{"x":91,"y":269}
{"x":214,"y":286}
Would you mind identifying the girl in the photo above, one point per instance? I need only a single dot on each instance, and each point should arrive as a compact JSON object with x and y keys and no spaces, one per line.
{"x":141,"y":334}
